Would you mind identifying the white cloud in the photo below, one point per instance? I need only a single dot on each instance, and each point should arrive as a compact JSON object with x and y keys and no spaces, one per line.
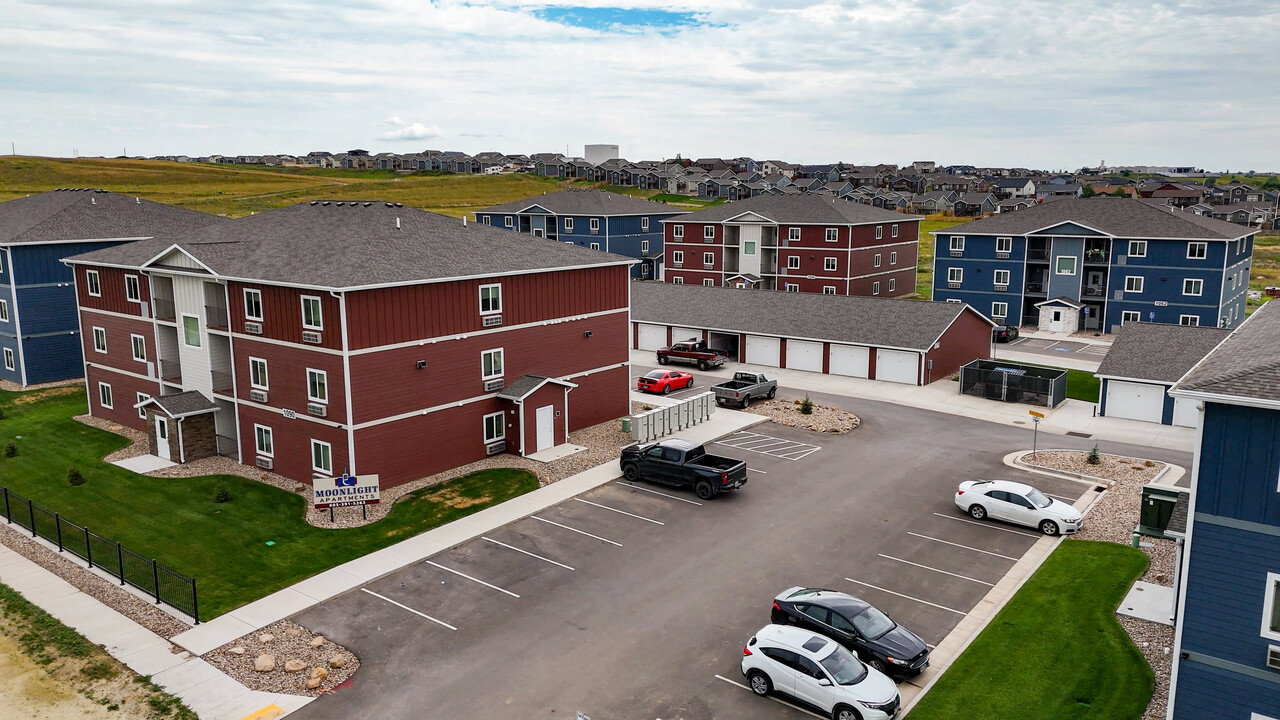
{"x":413,"y":131}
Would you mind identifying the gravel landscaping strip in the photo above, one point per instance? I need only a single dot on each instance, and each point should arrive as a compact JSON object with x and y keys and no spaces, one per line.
{"x":12,"y":386}
{"x":296,"y":654}
{"x":822,"y":419}
{"x":1155,"y":641}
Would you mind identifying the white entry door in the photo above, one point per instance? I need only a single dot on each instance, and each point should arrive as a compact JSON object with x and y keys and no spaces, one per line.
{"x":546,"y":422}
{"x":1055,"y":320}
{"x":162,"y":437}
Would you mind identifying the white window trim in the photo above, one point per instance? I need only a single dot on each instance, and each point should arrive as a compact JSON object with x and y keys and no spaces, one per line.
{"x":95,"y":332}
{"x":247,"y":293}
{"x":595,"y":226}
{"x":1267,"y":604}
{"x":828,"y":289}
{"x":644,"y":246}
{"x":319,"y":311}
{"x":317,"y":468}
{"x":957,"y":243}
{"x":677,"y":231}
{"x":491,"y":311}
{"x":893,"y":258}
{"x":677,"y":280}
{"x":502,"y":427}
{"x":879,"y":232}
{"x":791,"y":287}
{"x":708,"y":258}
{"x":324,"y":377}
{"x":1004,"y":314}
{"x":4,"y":311}
{"x":829,"y":264}
{"x":832,"y":234}
{"x":677,"y":256}
{"x":644,"y":224}
{"x":1124,"y":316}
{"x":1192,"y":280}
{"x":793,"y":233}
{"x":875,"y":260}
{"x":955,"y":275}
{"x":142,"y":397}
{"x":133,"y":346}
{"x":109,"y":397}
{"x":9,"y":361}
{"x":507,"y":220}
{"x":568,"y":224}
{"x":1007,"y":242}
{"x":1190,"y":317}
{"x":137,"y":284}
{"x":793,"y":262}
{"x":1142,"y":243}
{"x":995,"y":274}
{"x":875,"y":288}
{"x":183,"y":324}
{"x":502,"y":354}
{"x":92,"y":280}
{"x":709,"y":231}
{"x":1204,"y":246}
{"x":486,"y":220}
{"x":266,"y":373}
{"x":893,"y":284}
{"x":708,"y":282}
{"x":893,"y":230}
{"x":1142,"y":283}
{"x":1057,"y":264}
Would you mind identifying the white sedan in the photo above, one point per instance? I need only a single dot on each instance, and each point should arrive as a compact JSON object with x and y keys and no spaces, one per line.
{"x":817,"y":671}
{"x":1019,"y":504}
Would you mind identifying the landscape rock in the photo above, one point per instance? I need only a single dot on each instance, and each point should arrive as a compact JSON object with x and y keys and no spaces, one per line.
{"x":294,"y":665}
{"x":264,"y":663}
{"x":314,"y":683}
{"x":319,"y":672}
{"x":299,"y":666}
{"x":337,"y":661}
{"x":265,"y":638}
{"x":317,"y":641}
{"x":237,"y":650}
{"x":292,"y":632}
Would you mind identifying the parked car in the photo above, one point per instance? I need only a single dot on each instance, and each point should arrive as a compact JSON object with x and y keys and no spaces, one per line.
{"x":743,"y":388}
{"x":1004,"y":333}
{"x":818,"y":672}
{"x":683,"y":464}
{"x":693,"y":352}
{"x":1019,"y":504}
{"x":664,"y":381}
{"x":857,"y":625}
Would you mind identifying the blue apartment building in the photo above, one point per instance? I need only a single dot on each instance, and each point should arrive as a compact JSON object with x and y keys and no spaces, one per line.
{"x":1227,"y":647}
{"x":1095,"y":264}
{"x":595,"y":219}
{"x":39,"y":324}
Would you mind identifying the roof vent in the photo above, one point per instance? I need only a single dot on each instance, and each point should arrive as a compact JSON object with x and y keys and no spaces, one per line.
{"x":325,"y":203}
{"x":315,"y":202}
{"x":340,"y":204}
{"x":399,"y":205}
{"x":464,"y":221}
{"x":93,"y":201}
{"x":137,"y":200}
{"x":397,"y":223}
{"x":389,"y":205}
{"x":368,"y":204}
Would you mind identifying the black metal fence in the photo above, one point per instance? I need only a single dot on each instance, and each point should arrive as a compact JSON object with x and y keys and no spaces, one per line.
{"x":149,"y":576}
{"x":1011,"y":382}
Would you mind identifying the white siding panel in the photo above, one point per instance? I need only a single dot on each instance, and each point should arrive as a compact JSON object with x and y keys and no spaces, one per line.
{"x":898,"y":366}
{"x":850,"y":360}
{"x":651,"y":337}
{"x":1135,"y":401}
{"x":188,"y":299}
{"x":803,"y":355}
{"x":680,"y":334}
{"x":763,"y":350}
{"x":1185,"y":413}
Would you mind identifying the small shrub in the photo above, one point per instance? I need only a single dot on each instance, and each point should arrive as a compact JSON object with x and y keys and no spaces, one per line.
{"x":1148,"y":463}
{"x":221,"y":494}
{"x":806,"y":406}
{"x":11,"y":450}
{"x":74,"y":477}
{"x":1095,"y":457}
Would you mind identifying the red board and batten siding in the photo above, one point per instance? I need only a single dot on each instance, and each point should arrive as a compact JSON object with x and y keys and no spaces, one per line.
{"x":291,"y":439}
{"x":968,"y":339}
{"x":549,"y":394}
{"x":111,"y":283}
{"x":119,"y":342}
{"x":282,"y":313}
{"x":124,"y":394}
{"x":287,"y":376}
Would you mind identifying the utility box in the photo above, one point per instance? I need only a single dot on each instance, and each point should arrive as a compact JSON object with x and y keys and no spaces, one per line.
{"x":1157,"y":507}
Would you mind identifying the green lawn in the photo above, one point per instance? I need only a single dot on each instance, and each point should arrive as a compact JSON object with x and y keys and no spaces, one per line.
{"x":1056,"y":650}
{"x":924,"y":278}
{"x":223,"y":545}
{"x":1081,"y":384}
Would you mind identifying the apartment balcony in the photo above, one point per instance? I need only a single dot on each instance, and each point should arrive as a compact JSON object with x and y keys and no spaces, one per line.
{"x":1038,"y":254}
{"x":165,"y":309}
{"x":1096,"y":257}
{"x":216,"y":317}
{"x":1094,"y":291}
{"x":1036,"y":288}
{"x":171,"y":371}
{"x":226,"y":446}
{"x":222,"y":383}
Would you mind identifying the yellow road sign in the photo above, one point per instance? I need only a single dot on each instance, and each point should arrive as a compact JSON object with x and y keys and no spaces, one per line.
{"x":1036,"y":414}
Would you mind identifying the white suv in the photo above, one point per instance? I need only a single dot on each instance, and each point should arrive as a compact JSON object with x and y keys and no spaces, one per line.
{"x":819,"y":672}
{"x":1017,"y":503}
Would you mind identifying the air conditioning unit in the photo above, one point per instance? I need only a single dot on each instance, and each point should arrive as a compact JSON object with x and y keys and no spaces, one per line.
{"x":491,"y":320}
{"x":491,"y":385}
{"x":265,"y":463}
{"x":253,"y":328}
{"x":1273,"y":657}
{"x":317,"y":409}
{"x":1002,"y":256}
{"x":311,"y":337}
{"x":953,"y":286}
{"x":1002,"y":288}
{"x":258,"y":395}
{"x":495,"y":448}
{"x":677,"y":264}
{"x":957,"y":253}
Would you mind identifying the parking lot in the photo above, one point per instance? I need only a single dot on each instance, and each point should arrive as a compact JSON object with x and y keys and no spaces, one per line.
{"x":1059,"y":348}
{"x":634,"y":600}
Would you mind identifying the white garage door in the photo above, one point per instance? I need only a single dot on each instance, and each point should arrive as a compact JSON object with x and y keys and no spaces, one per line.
{"x":804,"y":355}
{"x":762,"y":350}
{"x":652,"y":337}
{"x":1185,"y":413}
{"x":1135,"y":401}
{"x":849,"y":360}
{"x":898,"y":366}
{"x":680,"y":334}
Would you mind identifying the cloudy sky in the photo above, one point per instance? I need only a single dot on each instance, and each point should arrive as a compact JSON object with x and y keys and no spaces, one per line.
{"x":1051,"y":84}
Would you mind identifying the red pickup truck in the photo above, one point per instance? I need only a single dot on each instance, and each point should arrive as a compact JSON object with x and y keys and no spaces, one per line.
{"x":693,"y":352}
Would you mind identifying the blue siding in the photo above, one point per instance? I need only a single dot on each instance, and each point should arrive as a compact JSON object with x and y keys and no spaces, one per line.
{"x":40,"y":264}
{"x":1239,"y":457}
{"x":1067,"y":286}
{"x":14,"y":375}
{"x":53,"y":357}
{"x":979,"y":263}
{"x":1226,"y":582}
{"x":1068,"y":228}
{"x":1209,"y":692}
{"x":620,"y":235}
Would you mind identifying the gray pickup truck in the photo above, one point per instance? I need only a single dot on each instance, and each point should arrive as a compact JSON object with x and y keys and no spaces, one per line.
{"x":681,"y":463}
{"x":743,"y":388}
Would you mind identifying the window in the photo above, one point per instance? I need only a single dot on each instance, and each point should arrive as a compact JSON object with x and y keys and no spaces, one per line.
{"x":677,"y":280}
{"x":709,"y":231}
{"x":793,"y":233}
{"x":879,"y":231}
{"x":1192,"y":320}
{"x":893,"y":231}
{"x":1002,"y":277}
{"x":317,"y":386}
{"x":1129,"y":316}
{"x":792,"y":287}
{"x":508,"y":221}
{"x":486,"y":220}
{"x":708,"y":282}
{"x":491,"y":364}
{"x":99,"y":339}
{"x":893,"y":258}
{"x":1066,"y":265}
{"x":955,"y":275}
{"x":833,"y":234}
{"x":828,"y":289}
{"x":490,"y":299}
{"x":708,"y":258}
{"x":1271,"y":608}
{"x":793,"y":262}
{"x":1231,"y":281}
{"x":875,"y":261}
{"x":644,"y":224}
{"x":263,"y":440}
{"x":595,"y":226}
{"x":749,"y":247}
{"x":495,"y":427}
{"x":311,"y":317}
{"x":4,"y":311}
{"x":677,"y":231}
{"x":568,"y":224}
{"x":1004,"y":244}
{"x":644,"y":246}
{"x":677,"y":257}
{"x":1197,"y":250}
{"x":92,"y":284}
{"x":191,"y":330}
{"x":829,"y":264}
{"x":875,"y":288}
{"x":258,"y":374}
{"x":142,"y":397}
{"x":104,"y":395}
{"x":893,"y":284}
{"x":132,"y":291}
{"x":1191,"y":286}
{"x":957,"y":243}
{"x":1133,"y":284}
{"x":595,"y":246}
{"x":139,"y":344}
{"x":999,"y":309}
{"x":8,"y":359}
{"x":1137,"y":248}
{"x":253,"y":305}
{"x":1239,"y":249}
{"x":321,"y":457}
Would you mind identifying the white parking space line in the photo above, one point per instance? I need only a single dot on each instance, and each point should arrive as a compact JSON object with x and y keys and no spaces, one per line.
{"x":799,"y":454}
{"x":620,"y":512}
{"x":1063,"y":498}
{"x":780,"y":701}
{"x":769,"y":445}
{"x":665,"y":495}
{"x":526,"y":552}
{"x":987,"y":525}
{"x":966,"y":547}
{"x":762,"y":472}
{"x":922,"y":602}
{"x":580,"y":532}
{"x":944,"y":572}
{"x":472,"y":579}
{"x":406,"y":607}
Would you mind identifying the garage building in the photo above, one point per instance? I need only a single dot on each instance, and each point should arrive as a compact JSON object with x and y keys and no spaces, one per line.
{"x":905,"y":341}
{"x":1144,"y":362}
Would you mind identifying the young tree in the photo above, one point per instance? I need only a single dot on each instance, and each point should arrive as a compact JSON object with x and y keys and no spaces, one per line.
{"x":1087,"y":191}
{"x":1120,"y":193}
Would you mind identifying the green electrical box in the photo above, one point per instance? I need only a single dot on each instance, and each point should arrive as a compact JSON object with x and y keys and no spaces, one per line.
{"x":1157,"y":506}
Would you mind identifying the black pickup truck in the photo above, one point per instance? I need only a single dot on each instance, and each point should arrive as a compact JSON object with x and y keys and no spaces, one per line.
{"x":680,"y":463}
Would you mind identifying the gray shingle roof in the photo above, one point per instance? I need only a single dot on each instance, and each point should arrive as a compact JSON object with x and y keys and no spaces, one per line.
{"x":191,"y":402}
{"x":1245,"y":364}
{"x":1119,"y":217}
{"x":587,"y":202}
{"x":335,"y":245}
{"x":882,"y":322}
{"x":521,"y":387}
{"x":1163,"y":353}
{"x":61,"y":215}
{"x":799,"y":209}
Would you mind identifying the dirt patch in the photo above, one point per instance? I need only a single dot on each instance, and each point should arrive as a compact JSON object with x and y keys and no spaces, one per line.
{"x":450,"y":497}
{"x":28,"y":398}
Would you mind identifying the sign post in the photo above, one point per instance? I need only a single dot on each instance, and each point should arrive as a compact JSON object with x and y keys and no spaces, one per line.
{"x":346,"y":491}
{"x":1036,"y":417}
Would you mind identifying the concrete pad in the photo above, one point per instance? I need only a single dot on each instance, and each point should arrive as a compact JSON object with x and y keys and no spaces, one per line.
{"x":1147,"y":601}
{"x":556,"y":453}
{"x":212,"y":693}
{"x":245,"y":706}
{"x":213,"y":634}
{"x":155,"y":659}
{"x":375,"y":565}
{"x":138,"y":639}
{"x":327,"y":584}
{"x":144,"y":464}
{"x":276,"y":606}
{"x":186,"y":675}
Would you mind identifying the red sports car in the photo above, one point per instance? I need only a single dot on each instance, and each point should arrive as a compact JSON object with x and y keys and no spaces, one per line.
{"x":664,"y":381}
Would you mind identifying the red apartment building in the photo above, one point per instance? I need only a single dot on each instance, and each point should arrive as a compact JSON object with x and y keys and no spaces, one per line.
{"x":796,"y":243}
{"x":353,"y":335}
